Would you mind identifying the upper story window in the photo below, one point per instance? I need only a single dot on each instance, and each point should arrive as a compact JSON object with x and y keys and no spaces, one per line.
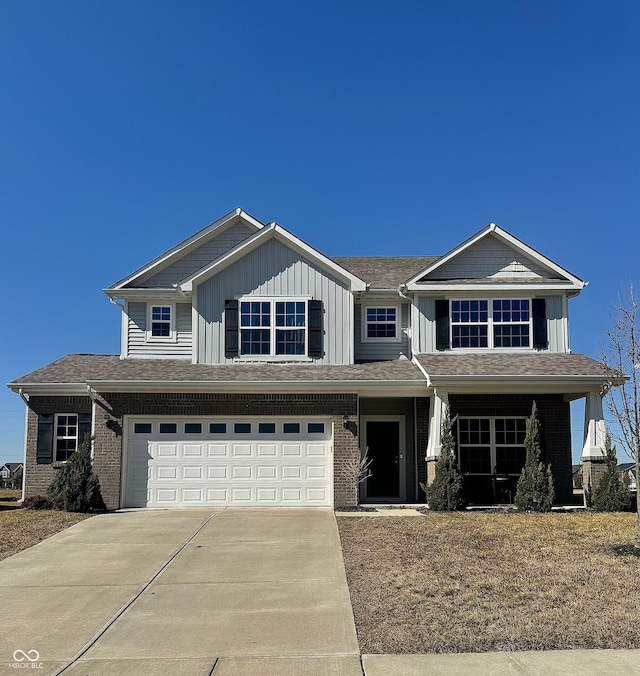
{"x":66,"y":436}
{"x":495,"y":323}
{"x":273,"y":327}
{"x":161,"y":322}
{"x":380,"y":323}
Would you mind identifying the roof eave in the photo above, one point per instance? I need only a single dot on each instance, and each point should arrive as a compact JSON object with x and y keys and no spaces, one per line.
{"x":447,"y":286}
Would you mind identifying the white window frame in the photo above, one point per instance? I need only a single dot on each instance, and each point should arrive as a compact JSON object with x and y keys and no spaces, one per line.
{"x":490,"y":324}
{"x":364,"y":323}
{"x":172,"y":337}
{"x":56,"y":437}
{"x":273,"y":329}
{"x":492,"y":440}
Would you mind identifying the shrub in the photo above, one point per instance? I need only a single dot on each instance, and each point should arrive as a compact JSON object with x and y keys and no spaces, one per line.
{"x":76,"y":484}
{"x":444,"y":494}
{"x":611,"y":494}
{"x":534,"y":492}
{"x":41,"y":502}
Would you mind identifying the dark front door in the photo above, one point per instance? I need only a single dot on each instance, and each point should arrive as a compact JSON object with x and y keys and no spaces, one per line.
{"x":383,"y":443}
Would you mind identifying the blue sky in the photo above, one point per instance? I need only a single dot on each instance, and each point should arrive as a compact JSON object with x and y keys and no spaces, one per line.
{"x":366,"y":128}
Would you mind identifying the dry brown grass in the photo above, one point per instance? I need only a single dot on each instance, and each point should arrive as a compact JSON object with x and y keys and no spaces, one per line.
{"x":23,"y":528}
{"x":474,"y":582}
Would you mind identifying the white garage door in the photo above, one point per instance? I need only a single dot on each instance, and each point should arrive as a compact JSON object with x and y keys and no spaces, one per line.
{"x":178,"y":462}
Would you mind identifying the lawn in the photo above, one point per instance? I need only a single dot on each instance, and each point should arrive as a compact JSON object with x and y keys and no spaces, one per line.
{"x":475,"y":582}
{"x":23,"y":528}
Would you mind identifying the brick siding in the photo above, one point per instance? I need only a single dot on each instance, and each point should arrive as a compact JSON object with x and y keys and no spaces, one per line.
{"x":107,"y":447}
{"x":422,"y":437}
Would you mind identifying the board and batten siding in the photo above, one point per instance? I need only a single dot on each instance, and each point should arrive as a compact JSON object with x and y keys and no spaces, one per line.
{"x":371,"y":350}
{"x":203,"y":255}
{"x":274,"y":270}
{"x":137,"y":344}
{"x":425,"y":318}
{"x":490,"y":258}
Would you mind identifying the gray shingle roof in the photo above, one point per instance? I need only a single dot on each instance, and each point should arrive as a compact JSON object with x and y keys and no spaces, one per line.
{"x":384,"y":272}
{"x":79,"y":368}
{"x":523,"y":364}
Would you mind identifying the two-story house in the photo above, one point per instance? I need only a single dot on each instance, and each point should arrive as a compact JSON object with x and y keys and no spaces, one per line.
{"x":255,"y":370}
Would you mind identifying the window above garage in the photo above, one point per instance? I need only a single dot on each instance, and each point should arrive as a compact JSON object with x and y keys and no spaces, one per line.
{"x":273,"y":328}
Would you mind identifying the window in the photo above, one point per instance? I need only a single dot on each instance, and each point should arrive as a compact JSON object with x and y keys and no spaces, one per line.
{"x":469,"y":323}
{"x":242,"y":428}
{"x":217,"y":428}
{"x":381,"y":323}
{"x":291,"y":428}
{"x":315,"y":428}
{"x":168,"y":428}
{"x":491,"y":445}
{"x":474,"y":326}
{"x":193,"y":428}
{"x":273,"y":327}
{"x":161,"y":320}
{"x":66,"y":438}
{"x":267,"y":428}
{"x":142,"y":428}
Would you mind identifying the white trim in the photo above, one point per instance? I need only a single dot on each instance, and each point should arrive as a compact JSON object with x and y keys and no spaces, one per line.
{"x":381,"y":306}
{"x":195,"y":331}
{"x":273,"y":230}
{"x":56,"y":437}
{"x":171,"y":322}
{"x":496,"y":230}
{"x":124,"y":338}
{"x":183,"y":247}
{"x":402,"y":453}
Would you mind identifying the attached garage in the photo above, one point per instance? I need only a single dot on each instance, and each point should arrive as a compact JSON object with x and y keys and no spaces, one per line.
{"x":253,"y":462}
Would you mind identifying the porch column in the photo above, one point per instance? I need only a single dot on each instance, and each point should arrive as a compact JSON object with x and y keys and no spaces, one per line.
{"x":439,"y":406}
{"x":593,"y":456}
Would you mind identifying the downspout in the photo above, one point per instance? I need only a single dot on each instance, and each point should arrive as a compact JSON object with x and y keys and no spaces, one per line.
{"x":26,"y":401}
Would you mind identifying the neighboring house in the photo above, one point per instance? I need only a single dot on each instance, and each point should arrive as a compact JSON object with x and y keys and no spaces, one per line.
{"x":254,"y":370}
{"x":576,"y":471}
{"x":627,"y":472}
{"x":11,"y":475}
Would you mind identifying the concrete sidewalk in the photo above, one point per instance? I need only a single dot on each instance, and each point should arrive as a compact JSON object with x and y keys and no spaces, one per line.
{"x":173,"y":592}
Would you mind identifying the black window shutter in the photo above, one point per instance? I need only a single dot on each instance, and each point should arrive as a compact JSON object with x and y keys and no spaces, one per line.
{"x":44,"y":445}
{"x":84,"y":426}
{"x":442,"y":324}
{"x":315,"y":328}
{"x":540,"y":340}
{"x":231,"y":347}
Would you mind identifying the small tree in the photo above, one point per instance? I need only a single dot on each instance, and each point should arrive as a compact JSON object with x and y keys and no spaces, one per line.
{"x":444,"y":494}
{"x":621,"y":354}
{"x":76,"y":484}
{"x":534,"y":492}
{"x":611,"y":495}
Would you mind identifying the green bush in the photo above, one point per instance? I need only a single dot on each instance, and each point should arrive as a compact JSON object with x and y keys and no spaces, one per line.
{"x":534,"y":492}
{"x":445,"y":492}
{"x":76,"y":484}
{"x":611,"y":495}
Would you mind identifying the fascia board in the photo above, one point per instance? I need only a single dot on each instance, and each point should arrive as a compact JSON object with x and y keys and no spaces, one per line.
{"x":181,"y":248}
{"x":517,"y":383}
{"x":253,"y":242}
{"x":49,"y":389}
{"x":514,"y":242}
{"x":495,"y":286}
{"x":173,"y":295}
{"x":404,"y":387}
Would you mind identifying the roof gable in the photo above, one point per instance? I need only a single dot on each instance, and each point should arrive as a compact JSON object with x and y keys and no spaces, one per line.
{"x":493,"y":255}
{"x":271,"y":231}
{"x":157,"y":274}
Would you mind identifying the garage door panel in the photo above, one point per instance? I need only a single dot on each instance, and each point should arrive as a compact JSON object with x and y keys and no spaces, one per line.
{"x":221,"y":470}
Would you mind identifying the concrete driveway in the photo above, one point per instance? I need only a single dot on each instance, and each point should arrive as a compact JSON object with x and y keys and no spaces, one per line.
{"x":229,"y":592}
